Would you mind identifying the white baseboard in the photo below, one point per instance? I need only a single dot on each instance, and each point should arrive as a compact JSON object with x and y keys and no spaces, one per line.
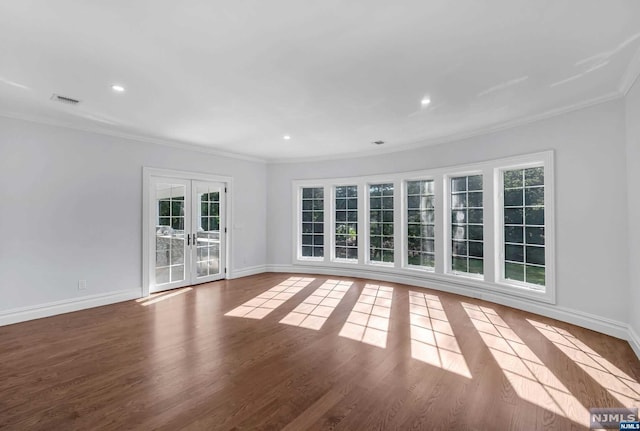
{"x":586,"y":320}
{"x":634,"y":341}
{"x":23,"y":314}
{"x":245,"y":272}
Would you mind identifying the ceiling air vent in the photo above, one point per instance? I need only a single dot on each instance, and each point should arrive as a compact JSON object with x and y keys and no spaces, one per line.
{"x":378,"y":142}
{"x":63,"y":99}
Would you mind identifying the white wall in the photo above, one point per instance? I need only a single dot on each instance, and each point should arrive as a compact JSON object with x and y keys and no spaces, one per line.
{"x":633,"y":198}
{"x":71,"y":205}
{"x":591,"y":215}
{"x":71,"y":209}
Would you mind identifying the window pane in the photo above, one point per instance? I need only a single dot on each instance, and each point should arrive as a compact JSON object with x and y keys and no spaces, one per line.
{"x":476,"y":266}
{"x":459,"y":200}
{"x":513,"y":234}
{"x":513,"y":198}
{"x":413,"y":187}
{"x":475,"y":216}
{"x":535,"y":255}
{"x":459,"y":264}
{"x":381,"y":234}
{"x":513,"y":216}
{"x":458,"y":216}
{"x":475,"y":249}
{"x":534,"y":177}
{"x":513,"y":179}
{"x":475,"y":232}
{"x":514,"y":271}
{"x":459,"y":232}
{"x":534,"y":216}
{"x":535,"y":235}
{"x":459,"y":184}
{"x":534,"y":196}
{"x":164,"y":209}
{"x":475,"y":182}
{"x":535,"y":275}
{"x":459,"y":248}
{"x":475,"y":199}
{"x":514,"y":253}
{"x":524,"y":206}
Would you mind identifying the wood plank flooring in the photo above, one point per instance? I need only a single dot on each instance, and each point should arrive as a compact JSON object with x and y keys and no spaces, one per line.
{"x":354,"y":354}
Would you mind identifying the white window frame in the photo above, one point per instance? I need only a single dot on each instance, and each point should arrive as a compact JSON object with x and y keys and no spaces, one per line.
{"x":447,"y":209}
{"x":333,"y":223}
{"x":490,"y":282}
{"x":367,"y":223}
{"x":298,"y":218}
{"x":549,"y":223}
{"x":405,"y":221}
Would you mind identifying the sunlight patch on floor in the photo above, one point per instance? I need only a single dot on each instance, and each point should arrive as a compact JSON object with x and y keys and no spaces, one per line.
{"x":317,"y":307}
{"x":432,"y":339}
{"x":161,"y":297}
{"x":618,"y":383}
{"x":368,"y":321}
{"x":266,"y":302}
{"x":527,"y":374}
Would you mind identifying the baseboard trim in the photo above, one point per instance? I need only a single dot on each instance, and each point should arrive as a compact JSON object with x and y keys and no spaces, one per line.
{"x":245,"y":272}
{"x":23,"y":314}
{"x":634,"y":341}
{"x":586,"y":320}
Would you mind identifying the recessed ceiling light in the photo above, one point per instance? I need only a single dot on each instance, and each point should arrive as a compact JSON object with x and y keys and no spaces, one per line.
{"x":117,"y":88}
{"x":425,"y":101}
{"x":286,"y":137}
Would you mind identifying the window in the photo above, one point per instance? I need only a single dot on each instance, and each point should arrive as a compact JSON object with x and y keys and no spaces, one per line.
{"x":524,"y":226}
{"x":346,"y":225}
{"x":420,"y":223}
{"x":381,"y":222}
{"x":313,"y":222}
{"x":467,"y":246}
{"x":484,"y":226}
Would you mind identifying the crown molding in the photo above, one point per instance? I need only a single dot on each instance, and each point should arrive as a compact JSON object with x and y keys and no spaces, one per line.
{"x":133,"y":137}
{"x":631,"y":75}
{"x":444,"y":139}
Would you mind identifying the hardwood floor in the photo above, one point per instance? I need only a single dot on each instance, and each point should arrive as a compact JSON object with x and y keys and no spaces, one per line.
{"x":353,"y":354}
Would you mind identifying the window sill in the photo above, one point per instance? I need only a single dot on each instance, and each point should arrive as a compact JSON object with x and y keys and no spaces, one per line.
{"x":472,"y":286}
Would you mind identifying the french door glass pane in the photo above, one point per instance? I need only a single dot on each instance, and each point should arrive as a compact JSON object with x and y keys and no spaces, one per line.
{"x":170,"y":234}
{"x":207,"y":229}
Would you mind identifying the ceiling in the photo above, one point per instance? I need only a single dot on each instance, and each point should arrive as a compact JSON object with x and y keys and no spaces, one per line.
{"x":237,"y":76}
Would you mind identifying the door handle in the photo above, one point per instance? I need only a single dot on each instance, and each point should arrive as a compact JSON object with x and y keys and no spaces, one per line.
{"x":188,"y":240}
{"x":193,"y":241}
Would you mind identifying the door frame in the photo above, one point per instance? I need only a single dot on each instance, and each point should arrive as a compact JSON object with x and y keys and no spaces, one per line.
{"x":148,"y":230}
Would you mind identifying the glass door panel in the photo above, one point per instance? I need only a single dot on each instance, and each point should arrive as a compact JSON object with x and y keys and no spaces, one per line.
{"x":187,"y":242}
{"x":171,"y":227}
{"x":209,"y":234}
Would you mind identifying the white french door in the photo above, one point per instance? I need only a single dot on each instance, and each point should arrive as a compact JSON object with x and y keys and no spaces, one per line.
{"x":187,"y":229}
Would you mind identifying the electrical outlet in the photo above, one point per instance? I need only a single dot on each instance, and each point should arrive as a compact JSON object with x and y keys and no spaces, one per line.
{"x":82,"y":284}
